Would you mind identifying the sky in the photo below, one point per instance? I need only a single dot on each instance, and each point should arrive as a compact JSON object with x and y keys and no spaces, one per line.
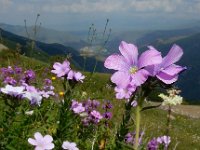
{"x":123,"y":14}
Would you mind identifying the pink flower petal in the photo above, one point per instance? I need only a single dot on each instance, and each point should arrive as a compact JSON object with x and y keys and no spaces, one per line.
{"x":121,"y":79}
{"x":56,"y":65}
{"x":129,"y":51}
{"x":66,"y":63}
{"x":70,"y":75}
{"x":116,"y":62}
{"x":38,"y":136}
{"x":49,"y":146}
{"x":173,"y":70}
{"x":173,"y":56}
{"x":139,"y":77}
{"x":122,"y":93}
{"x":149,"y":57}
{"x":39,"y":148}
{"x":167,"y":79}
{"x":153,"y":69}
{"x":32,"y":141}
{"x":48,"y":138}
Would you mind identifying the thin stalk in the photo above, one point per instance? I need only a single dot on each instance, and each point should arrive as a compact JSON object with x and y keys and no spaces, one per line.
{"x":168,"y":120}
{"x":136,"y":144}
{"x":95,"y":66}
{"x":168,"y":123}
{"x":84,"y":63}
{"x":105,"y":27}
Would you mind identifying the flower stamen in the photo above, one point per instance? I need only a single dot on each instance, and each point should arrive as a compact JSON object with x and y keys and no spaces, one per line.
{"x":133,"y":70}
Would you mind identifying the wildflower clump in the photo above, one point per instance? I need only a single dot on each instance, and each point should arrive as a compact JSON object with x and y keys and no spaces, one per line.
{"x":136,"y":76}
{"x":172,"y":98}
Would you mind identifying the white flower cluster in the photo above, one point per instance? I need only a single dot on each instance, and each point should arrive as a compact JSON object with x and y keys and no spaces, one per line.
{"x":171,"y":100}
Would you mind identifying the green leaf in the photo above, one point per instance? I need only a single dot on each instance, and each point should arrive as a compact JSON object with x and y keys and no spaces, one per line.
{"x":150,"y":107}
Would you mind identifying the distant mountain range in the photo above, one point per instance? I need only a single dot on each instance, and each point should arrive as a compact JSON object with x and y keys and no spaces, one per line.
{"x":47,"y":35}
{"x":166,"y":35}
{"x":44,"y":51}
{"x":188,"y":39}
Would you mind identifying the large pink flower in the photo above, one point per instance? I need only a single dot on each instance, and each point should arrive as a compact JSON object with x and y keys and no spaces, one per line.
{"x":41,"y":143}
{"x":61,"y":69}
{"x":167,"y":71}
{"x":131,"y":69}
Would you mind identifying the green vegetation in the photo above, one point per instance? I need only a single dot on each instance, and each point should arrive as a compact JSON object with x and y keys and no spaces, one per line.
{"x":185,"y":132}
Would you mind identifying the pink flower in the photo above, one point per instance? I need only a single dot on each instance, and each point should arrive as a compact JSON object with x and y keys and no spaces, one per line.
{"x":70,"y":75}
{"x":77,"y":107}
{"x":75,"y":75}
{"x":78,"y":76}
{"x":131,"y":69}
{"x":42,"y":143}
{"x":96,"y":116}
{"x":61,"y":69}
{"x":167,"y":71}
{"x":124,"y":92}
{"x":69,"y":145}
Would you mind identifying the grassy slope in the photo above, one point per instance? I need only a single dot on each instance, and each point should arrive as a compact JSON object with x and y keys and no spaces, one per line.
{"x":185,"y":131}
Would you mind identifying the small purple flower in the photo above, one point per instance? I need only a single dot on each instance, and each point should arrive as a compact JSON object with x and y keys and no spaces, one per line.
{"x":153,"y":144}
{"x":128,"y":138}
{"x":134,"y":103}
{"x":95,"y":103}
{"x":124,"y":92}
{"x":167,"y":71}
{"x":107,"y":105}
{"x":78,"y":76}
{"x":74,"y":104}
{"x":70,"y":75}
{"x":91,"y":104}
{"x":47,"y":81}
{"x":42,"y":143}
{"x":77,"y":107}
{"x":46,"y":94}
{"x":29,"y":74}
{"x":18,"y":70}
{"x":69,"y":145}
{"x":3,"y":71}
{"x":96,"y":116}
{"x":165,"y":140}
{"x":107,"y":115}
{"x":10,"y":70}
{"x":10,"y":80}
{"x":61,"y":69}
{"x":156,"y":142}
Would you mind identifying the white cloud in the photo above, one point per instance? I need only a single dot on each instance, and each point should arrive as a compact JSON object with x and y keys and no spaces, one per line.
{"x":5,"y":5}
{"x":85,"y":6}
{"x":104,"y":6}
{"x":155,"y":5}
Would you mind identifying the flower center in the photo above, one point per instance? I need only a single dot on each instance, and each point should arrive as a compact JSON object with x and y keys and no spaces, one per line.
{"x":133,"y":70}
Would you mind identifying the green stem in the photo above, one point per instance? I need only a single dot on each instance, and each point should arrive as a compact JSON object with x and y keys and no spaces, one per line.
{"x":168,"y":121}
{"x":95,"y":66}
{"x":123,"y":128}
{"x":136,"y":144}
